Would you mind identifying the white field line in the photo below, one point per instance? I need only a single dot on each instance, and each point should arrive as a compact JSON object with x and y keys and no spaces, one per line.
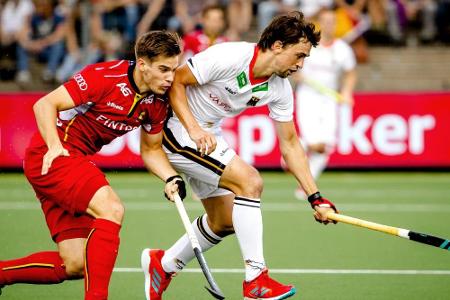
{"x":311,"y":271}
{"x":266,"y":207}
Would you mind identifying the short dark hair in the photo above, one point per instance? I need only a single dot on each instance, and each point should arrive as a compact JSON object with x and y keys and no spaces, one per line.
{"x":289,"y":28}
{"x":158,"y":42}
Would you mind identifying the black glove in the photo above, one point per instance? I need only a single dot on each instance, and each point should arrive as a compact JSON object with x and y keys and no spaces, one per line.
{"x":178,"y":180}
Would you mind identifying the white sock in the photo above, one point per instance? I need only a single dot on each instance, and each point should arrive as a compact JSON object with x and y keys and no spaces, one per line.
{"x":248,"y":226}
{"x":177,"y":256}
{"x":318,"y":163}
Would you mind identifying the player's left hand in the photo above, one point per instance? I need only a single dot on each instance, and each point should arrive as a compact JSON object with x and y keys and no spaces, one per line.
{"x":322,"y":207}
{"x":175,"y":184}
{"x":51,"y":155}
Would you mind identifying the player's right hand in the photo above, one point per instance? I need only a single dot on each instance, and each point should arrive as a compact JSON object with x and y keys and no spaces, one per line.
{"x":175,"y":184}
{"x":205,"y":141}
{"x":51,"y":154}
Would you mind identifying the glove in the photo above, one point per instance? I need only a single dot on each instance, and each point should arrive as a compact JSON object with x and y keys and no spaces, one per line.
{"x":316,"y":199}
{"x":178,"y":180}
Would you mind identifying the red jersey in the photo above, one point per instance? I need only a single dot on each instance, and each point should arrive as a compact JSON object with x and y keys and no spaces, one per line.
{"x":197,"y":41}
{"x":107,"y":105}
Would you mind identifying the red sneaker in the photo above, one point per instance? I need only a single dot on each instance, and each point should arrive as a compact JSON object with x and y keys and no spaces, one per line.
{"x":156,"y":279}
{"x":264,"y":287}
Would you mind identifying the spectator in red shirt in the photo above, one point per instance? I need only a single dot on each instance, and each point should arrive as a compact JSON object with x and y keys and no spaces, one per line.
{"x":83,"y":213}
{"x":213,"y":26}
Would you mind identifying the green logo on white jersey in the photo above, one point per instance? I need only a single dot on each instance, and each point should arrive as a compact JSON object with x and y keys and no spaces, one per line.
{"x":242,"y":80}
{"x":261,"y":87}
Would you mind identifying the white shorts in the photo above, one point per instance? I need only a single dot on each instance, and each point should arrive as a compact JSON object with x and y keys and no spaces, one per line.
{"x":202,"y":173}
{"x":316,"y":117}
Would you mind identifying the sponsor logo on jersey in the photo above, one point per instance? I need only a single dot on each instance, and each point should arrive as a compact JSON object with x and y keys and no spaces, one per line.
{"x":222,"y":153}
{"x":80,"y":81}
{"x":229,"y":90}
{"x":219,"y":102}
{"x":113,"y":105}
{"x":124,"y":89}
{"x":242,"y":80}
{"x":253,"y":101}
{"x":116,"y":125}
{"x":261,"y":88}
{"x":148,"y":99}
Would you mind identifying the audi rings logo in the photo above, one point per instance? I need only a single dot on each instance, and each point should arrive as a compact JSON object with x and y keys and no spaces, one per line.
{"x":81,"y":82}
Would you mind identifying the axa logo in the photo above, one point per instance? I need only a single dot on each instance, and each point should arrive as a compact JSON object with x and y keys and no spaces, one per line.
{"x":124,"y":89}
{"x":79,"y":79}
{"x":253,"y":101}
{"x":113,"y":105}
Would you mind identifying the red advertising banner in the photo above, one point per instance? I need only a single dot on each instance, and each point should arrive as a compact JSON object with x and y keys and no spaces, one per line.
{"x":381,"y":130}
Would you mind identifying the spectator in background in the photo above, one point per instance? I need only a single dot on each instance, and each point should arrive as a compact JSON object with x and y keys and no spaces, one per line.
{"x":159,"y":14}
{"x":402,"y":13}
{"x":213,"y":26}
{"x":240,"y":15}
{"x":327,"y":79}
{"x":443,"y":20}
{"x":14,"y":14}
{"x":352,"y":21}
{"x":269,"y":8}
{"x":182,"y":16}
{"x":102,"y":44}
{"x":42,"y":35}
{"x":119,"y":15}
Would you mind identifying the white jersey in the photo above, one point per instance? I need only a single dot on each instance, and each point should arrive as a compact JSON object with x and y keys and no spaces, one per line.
{"x":326,"y":63}
{"x":317,"y":111}
{"x":227,"y":87}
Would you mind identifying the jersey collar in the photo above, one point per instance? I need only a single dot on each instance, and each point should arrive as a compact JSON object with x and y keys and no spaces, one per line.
{"x":254,"y":80}
{"x":130,"y":76}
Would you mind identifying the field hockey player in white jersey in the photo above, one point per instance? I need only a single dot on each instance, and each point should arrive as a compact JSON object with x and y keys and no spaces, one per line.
{"x":221,"y":82}
{"x":326,"y":82}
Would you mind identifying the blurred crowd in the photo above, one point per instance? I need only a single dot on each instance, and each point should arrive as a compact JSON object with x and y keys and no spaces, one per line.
{"x":65,"y":35}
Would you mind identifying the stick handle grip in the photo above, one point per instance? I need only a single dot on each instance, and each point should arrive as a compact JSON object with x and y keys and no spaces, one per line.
{"x":362,"y":223}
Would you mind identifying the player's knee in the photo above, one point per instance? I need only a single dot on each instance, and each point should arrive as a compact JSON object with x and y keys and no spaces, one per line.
{"x":252,"y":186}
{"x":74,"y":267}
{"x":117,"y":211}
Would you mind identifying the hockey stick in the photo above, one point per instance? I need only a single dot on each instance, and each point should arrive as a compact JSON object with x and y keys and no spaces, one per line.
{"x":404,"y":233}
{"x":214,"y":288}
{"x":336,"y":96}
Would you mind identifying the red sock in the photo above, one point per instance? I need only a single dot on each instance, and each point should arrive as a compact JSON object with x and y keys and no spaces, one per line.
{"x":37,"y":268}
{"x":102,"y":246}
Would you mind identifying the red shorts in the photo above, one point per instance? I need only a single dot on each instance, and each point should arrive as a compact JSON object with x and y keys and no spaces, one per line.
{"x":65,"y":191}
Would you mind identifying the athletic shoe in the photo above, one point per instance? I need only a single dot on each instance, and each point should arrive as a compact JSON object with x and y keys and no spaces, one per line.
{"x":300,"y":194}
{"x":156,"y":279}
{"x":264,"y":287}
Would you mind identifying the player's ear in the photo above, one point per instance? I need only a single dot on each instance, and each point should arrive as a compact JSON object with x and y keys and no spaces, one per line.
{"x":277,"y":45}
{"x":140,"y":63}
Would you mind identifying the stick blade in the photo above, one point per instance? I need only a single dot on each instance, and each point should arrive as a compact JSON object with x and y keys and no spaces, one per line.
{"x":215,"y":293}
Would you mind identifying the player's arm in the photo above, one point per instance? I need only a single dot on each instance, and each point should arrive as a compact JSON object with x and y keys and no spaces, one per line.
{"x":45,"y":111}
{"x":205,"y":141}
{"x":348,"y":86}
{"x":156,"y":161}
{"x":297,"y":162}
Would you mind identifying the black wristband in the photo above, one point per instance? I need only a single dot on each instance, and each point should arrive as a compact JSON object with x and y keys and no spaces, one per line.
{"x":173,"y":177}
{"x":314,"y":197}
